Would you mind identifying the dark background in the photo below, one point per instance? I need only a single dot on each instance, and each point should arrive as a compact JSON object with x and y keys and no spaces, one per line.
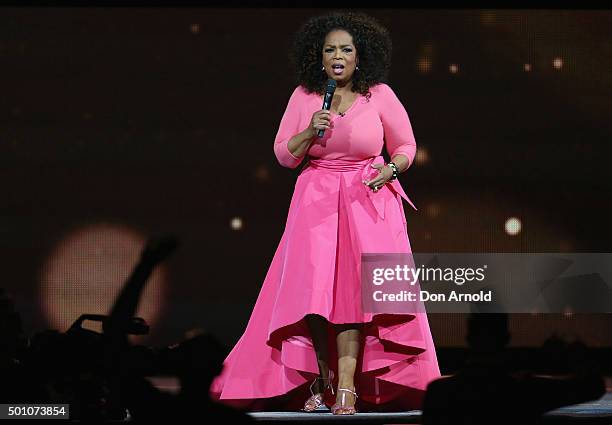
{"x":122,"y":123}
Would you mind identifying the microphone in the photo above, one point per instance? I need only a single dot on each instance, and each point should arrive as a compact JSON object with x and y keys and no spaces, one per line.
{"x":329,"y":94}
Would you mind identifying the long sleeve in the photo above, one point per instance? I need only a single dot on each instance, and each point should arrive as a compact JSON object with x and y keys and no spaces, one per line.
{"x":289,"y":127}
{"x":399,"y":138}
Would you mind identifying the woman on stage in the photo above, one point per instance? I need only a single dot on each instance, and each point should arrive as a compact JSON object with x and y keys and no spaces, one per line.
{"x":308,"y":342}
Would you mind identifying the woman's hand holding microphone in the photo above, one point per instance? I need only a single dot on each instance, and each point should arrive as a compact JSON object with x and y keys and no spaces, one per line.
{"x":298,"y":145}
{"x":320,"y":121}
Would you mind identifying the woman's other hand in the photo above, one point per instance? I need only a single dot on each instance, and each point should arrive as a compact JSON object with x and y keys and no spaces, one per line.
{"x":384,"y":174}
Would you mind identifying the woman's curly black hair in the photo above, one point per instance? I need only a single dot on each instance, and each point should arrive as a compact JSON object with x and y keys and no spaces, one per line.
{"x":371,"y":39}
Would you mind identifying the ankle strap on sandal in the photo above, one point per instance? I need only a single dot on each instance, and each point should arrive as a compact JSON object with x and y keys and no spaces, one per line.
{"x":329,"y":378}
{"x":350,"y":391}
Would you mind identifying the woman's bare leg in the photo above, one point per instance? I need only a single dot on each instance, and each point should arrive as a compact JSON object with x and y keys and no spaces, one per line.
{"x":348,"y":340}
{"x":318,"y":331}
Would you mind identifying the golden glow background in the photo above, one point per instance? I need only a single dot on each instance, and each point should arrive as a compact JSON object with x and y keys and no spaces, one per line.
{"x":118,"y":124}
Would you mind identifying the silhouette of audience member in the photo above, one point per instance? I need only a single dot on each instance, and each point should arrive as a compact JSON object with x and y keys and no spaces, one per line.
{"x":102,"y":376}
{"x":10,"y":331}
{"x":195,"y":361}
{"x":16,"y":384}
{"x":486,"y":391}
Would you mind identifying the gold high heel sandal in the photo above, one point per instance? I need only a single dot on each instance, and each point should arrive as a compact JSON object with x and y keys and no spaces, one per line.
{"x":316,"y":400}
{"x":341,"y":408}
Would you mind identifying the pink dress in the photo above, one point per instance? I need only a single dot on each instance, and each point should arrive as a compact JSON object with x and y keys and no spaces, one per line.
{"x":333,"y":218}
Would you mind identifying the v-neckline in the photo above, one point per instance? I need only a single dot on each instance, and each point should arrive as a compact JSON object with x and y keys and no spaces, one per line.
{"x":348,"y":109}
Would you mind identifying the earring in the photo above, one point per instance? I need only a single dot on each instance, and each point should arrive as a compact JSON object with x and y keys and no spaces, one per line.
{"x":323,"y":69}
{"x":357,"y":68}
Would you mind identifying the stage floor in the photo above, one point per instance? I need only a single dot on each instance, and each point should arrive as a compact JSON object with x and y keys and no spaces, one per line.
{"x":595,"y":412}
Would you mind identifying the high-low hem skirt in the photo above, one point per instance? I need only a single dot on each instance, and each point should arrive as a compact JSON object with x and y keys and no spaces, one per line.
{"x":333,"y":218}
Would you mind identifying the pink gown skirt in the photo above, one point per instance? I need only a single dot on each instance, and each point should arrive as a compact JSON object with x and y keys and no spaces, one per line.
{"x":333,"y":218}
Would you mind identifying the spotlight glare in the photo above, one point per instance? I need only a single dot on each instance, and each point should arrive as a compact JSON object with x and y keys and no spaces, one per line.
{"x":453,"y":68}
{"x":558,"y":63}
{"x":87,"y":269}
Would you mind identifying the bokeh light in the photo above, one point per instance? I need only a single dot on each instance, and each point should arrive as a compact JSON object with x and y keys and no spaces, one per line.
{"x":433,"y":209}
{"x":487,"y":17}
{"x":236,"y":223}
{"x":422,"y":155}
{"x":262,"y":173}
{"x":513,"y":226}
{"x":424,"y":65}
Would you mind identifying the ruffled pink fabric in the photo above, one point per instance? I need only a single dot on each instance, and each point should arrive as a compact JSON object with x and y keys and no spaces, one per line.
{"x":333,"y":218}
